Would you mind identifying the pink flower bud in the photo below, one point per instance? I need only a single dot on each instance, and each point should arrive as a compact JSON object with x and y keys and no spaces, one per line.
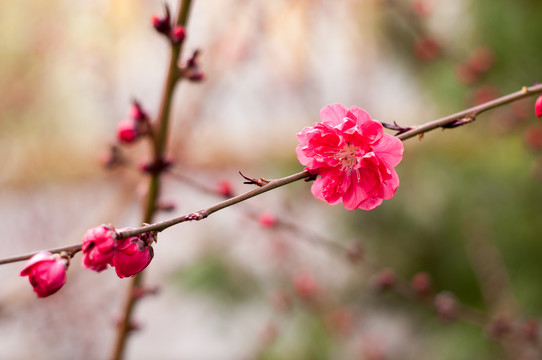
{"x":267,"y":220}
{"x":132,"y":256}
{"x":305,"y":286}
{"x":224,"y":189}
{"x":99,"y":245}
{"x":384,"y":280}
{"x":196,"y":76}
{"x":538,"y":107}
{"x":465,"y":73}
{"x":446,"y":306}
{"x":531,"y":329}
{"x":421,"y":284}
{"x":136,"y":111}
{"x":422,"y":7}
{"x":127,"y":131}
{"x":533,"y":137}
{"x":46,"y":272}
{"x":426,"y":48}
{"x":481,"y":59}
{"x":177,"y":35}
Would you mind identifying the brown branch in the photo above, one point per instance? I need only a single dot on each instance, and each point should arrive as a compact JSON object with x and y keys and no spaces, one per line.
{"x":470,"y":113}
{"x":461,"y":116}
{"x":159,"y":148}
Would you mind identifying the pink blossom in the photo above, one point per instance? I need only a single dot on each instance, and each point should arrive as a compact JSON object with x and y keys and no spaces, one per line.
{"x":46,"y":272}
{"x":127,"y":131}
{"x":99,"y":245}
{"x":353,"y":156}
{"x":538,"y":107}
{"x":133,"y":255}
{"x":267,"y":219}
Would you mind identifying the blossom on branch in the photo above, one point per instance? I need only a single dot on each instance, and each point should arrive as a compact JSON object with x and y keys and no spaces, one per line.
{"x":133,"y":254}
{"x":99,"y":245}
{"x":46,"y":273}
{"x":353,"y":157}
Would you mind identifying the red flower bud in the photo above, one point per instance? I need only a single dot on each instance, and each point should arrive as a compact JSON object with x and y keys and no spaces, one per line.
{"x":177,"y":35}
{"x":481,"y":59}
{"x":384,"y":280}
{"x":132,"y":256}
{"x":99,"y":245}
{"x":136,"y":111}
{"x":224,"y":189}
{"x":127,"y":131}
{"x":305,"y":286}
{"x":446,"y":306}
{"x":421,"y":284}
{"x":426,"y":48}
{"x":46,"y":272}
{"x":533,"y":137}
{"x":538,"y":107}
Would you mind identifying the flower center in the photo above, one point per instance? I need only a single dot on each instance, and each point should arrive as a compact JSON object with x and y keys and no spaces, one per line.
{"x":347,"y":157}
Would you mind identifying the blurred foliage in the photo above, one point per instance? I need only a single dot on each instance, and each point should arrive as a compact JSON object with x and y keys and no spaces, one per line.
{"x":214,"y":276}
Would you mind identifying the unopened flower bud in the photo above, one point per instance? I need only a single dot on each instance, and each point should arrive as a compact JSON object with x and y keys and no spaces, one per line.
{"x":196,"y":76}
{"x":305,"y":286}
{"x":136,"y":111}
{"x":422,"y":7}
{"x":133,"y":254}
{"x":531,"y":329}
{"x":167,"y":206}
{"x":267,"y":220}
{"x":177,"y":35}
{"x":499,"y":327}
{"x":421,"y":284}
{"x":127,"y":131}
{"x":354,"y":253}
{"x":155,"y":167}
{"x":538,"y":107}
{"x":446,"y":306}
{"x":426,"y":48}
{"x":225,"y":189}
{"x":162,"y":24}
{"x":46,"y":273}
{"x":384,"y":280}
{"x":533,"y":137}
{"x":481,"y":59}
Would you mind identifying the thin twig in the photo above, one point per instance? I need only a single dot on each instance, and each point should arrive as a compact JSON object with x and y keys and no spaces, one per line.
{"x":439,"y":123}
{"x":472,"y":112}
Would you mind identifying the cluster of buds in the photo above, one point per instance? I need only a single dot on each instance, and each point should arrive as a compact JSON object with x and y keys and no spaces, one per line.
{"x":164,"y":26}
{"x":137,"y":125}
{"x":192,"y":70}
{"x":102,"y":248}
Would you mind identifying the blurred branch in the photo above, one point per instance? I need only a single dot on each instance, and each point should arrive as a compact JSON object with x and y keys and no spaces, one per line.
{"x":159,"y":142}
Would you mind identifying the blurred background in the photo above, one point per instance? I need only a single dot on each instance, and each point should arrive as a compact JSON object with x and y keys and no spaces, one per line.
{"x":261,"y":280}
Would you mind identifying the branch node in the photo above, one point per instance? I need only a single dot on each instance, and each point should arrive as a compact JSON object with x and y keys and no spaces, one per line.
{"x":198,"y":215}
{"x":400,"y":129}
{"x":252,"y":181}
{"x":459,"y":122}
